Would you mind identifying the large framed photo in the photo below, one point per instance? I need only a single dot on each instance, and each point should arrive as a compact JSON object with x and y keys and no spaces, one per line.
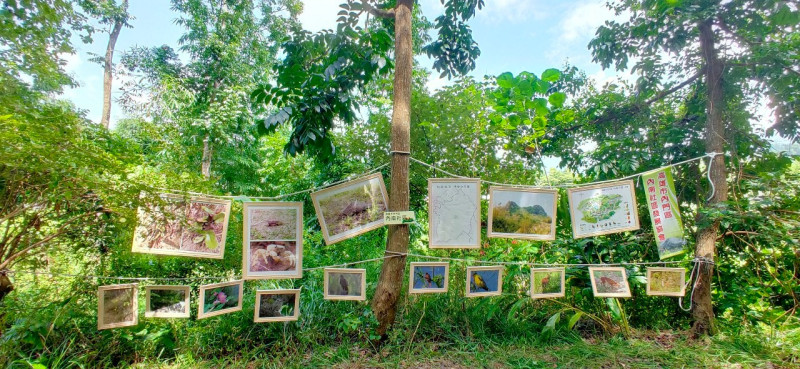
{"x":194,"y":227}
{"x":428,"y":277}
{"x":167,"y":301}
{"x":666,"y":282}
{"x":277,"y":306}
{"x":220,"y":298}
{"x":603,"y":209}
{"x":547,"y":282}
{"x":609,"y":282}
{"x":352,"y":208}
{"x":523,"y":213}
{"x":117,"y":306}
{"x":273,"y":240}
{"x":345,"y":284}
{"x":454,"y":213}
{"x":484,"y":281}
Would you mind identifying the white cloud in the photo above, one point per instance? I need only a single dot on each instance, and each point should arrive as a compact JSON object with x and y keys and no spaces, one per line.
{"x":513,"y":11}
{"x":583,"y":20}
{"x":319,"y":14}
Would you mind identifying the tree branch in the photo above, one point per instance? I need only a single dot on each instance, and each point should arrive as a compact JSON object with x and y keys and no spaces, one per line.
{"x":381,"y":13}
{"x":677,"y":87}
{"x":61,"y":230}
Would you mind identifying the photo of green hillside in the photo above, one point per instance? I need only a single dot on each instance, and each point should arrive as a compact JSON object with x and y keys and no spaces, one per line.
{"x":522,"y":213}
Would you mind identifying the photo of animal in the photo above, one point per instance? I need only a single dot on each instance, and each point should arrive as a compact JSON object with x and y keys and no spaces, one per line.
{"x":428,"y":277}
{"x":547,"y":282}
{"x":666,"y":281}
{"x":352,"y":208}
{"x":484,"y":281}
{"x":609,"y":282}
{"x":345,"y":284}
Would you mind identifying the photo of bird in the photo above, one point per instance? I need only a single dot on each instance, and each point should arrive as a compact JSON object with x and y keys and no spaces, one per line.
{"x":428,"y":280}
{"x":478,"y":281}
{"x":344,"y":285}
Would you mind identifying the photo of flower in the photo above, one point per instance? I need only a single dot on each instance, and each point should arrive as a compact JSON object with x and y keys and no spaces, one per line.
{"x":220,"y":298}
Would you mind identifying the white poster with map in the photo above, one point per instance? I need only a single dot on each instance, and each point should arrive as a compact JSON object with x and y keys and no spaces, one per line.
{"x":603,"y":209}
{"x":454,"y":213}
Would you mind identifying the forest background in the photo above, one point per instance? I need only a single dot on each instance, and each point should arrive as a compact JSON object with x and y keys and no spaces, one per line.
{"x":198,"y":114}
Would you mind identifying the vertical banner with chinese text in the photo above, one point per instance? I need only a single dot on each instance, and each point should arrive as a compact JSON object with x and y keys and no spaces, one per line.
{"x":664,"y":213}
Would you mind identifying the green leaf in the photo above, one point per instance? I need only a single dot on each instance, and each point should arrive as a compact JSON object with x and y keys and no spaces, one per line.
{"x":574,"y":320}
{"x":615,"y":312}
{"x":551,"y":323}
{"x":211,"y":240}
{"x":505,"y":80}
{"x":557,"y":99}
{"x":551,"y":75}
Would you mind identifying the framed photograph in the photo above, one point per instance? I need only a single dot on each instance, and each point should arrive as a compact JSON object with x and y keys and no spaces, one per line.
{"x":167,"y":301}
{"x":484,"y":281}
{"x":345,"y":284}
{"x":277,"y":306}
{"x":666,"y":281}
{"x":273,"y":240}
{"x":220,"y":298}
{"x":609,"y":282}
{"x":454,"y":213}
{"x":428,"y":277}
{"x":117,"y":306}
{"x":547,"y":282}
{"x":603,"y":209}
{"x":352,"y":208}
{"x":522,"y":213}
{"x":194,"y":227}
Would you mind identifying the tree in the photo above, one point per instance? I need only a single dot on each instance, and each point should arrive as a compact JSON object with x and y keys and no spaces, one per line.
{"x":724,"y":44}
{"x":321,"y":75}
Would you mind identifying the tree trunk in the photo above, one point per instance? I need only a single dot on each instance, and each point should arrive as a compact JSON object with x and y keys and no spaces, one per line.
{"x":702,"y":308}
{"x":206,"y":161}
{"x":5,"y":286}
{"x":108,"y":66}
{"x":384,"y":304}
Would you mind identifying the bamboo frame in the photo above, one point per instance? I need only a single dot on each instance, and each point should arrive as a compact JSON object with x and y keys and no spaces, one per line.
{"x":626,"y":293}
{"x":101,"y":290}
{"x":246,"y":241}
{"x":202,"y":302}
{"x":445,"y":286}
{"x":363,"y":293}
{"x":295,"y":315}
{"x":682,"y":280}
{"x":477,"y":227}
{"x":499,"y":269}
{"x":331,"y":239}
{"x":523,"y":236}
{"x":576,"y":233}
{"x":149,"y":313}
{"x":563,"y":278}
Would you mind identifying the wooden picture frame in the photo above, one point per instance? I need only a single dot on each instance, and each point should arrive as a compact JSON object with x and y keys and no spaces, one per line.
{"x":339,"y":286}
{"x":481,"y":272}
{"x":454,"y":227}
{"x":335,"y":212}
{"x":593,"y":198}
{"x":530,"y":203}
{"x":546,"y":282}
{"x":272,"y":245}
{"x":105,"y":310}
{"x":430,"y":280}
{"x":283,"y":318}
{"x":201,"y":314}
{"x":148,"y":308}
{"x":680,"y":278}
{"x":621,"y":286}
{"x":190,"y":243}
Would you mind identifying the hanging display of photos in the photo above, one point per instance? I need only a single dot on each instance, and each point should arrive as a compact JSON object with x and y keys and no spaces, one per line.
{"x":117,"y":306}
{"x":272,"y":240}
{"x":609,"y":282}
{"x":666,"y":281}
{"x":522,"y":213}
{"x":277,"y":306}
{"x":167,"y":301}
{"x":194,"y":227}
{"x":454,"y":213}
{"x":345,"y":284}
{"x":603,"y":209}
{"x":664,"y":212}
{"x":484,"y":281}
{"x":352,"y":208}
{"x":429,"y":277}
{"x":547,"y":282}
{"x":220,"y":298}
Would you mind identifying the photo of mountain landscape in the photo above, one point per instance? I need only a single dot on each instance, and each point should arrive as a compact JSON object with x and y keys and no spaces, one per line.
{"x":522,"y":213}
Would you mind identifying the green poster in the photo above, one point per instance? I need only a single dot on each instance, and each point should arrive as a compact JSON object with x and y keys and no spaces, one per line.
{"x":664,"y":213}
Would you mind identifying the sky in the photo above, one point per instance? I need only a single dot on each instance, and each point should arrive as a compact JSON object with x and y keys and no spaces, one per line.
{"x":513,"y":35}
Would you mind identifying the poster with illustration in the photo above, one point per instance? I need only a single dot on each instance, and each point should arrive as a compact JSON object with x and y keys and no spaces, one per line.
{"x":522,"y":213}
{"x":603,"y":209}
{"x":220,"y":298}
{"x":272,"y":240}
{"x":428,"y":277}
{"x":454,"y":213}
{"x":665,"y":215}
{"x":352,"y":208}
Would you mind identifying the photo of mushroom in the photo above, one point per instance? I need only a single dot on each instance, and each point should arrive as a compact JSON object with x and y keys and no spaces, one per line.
{"x":117,"y":306}
{"x":273,"y":240}
{"x":345,"y":284}
{"x":277,"y":306}
{"x":352,"y":208}
{"x":609,"y":282}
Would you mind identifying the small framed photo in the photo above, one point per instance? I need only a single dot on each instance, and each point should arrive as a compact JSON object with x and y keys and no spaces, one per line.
{"x":273,"y":240}
{"x":167,"y":301}
{"x":352,"y":208}
{"x":522,"y":213}
{"x":454,"y":213}
{"x":609,"y":282}
{"x":547,"y":282}
{"x":666,"y":281}
{"x":484,"y":281}
{"x":277,"y":306}
{"x":345,"y":284}
{"x":428,"y":277}
{"x":220,"y":298}
{"x":117,"y":306}
{"x":603,"y":209}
